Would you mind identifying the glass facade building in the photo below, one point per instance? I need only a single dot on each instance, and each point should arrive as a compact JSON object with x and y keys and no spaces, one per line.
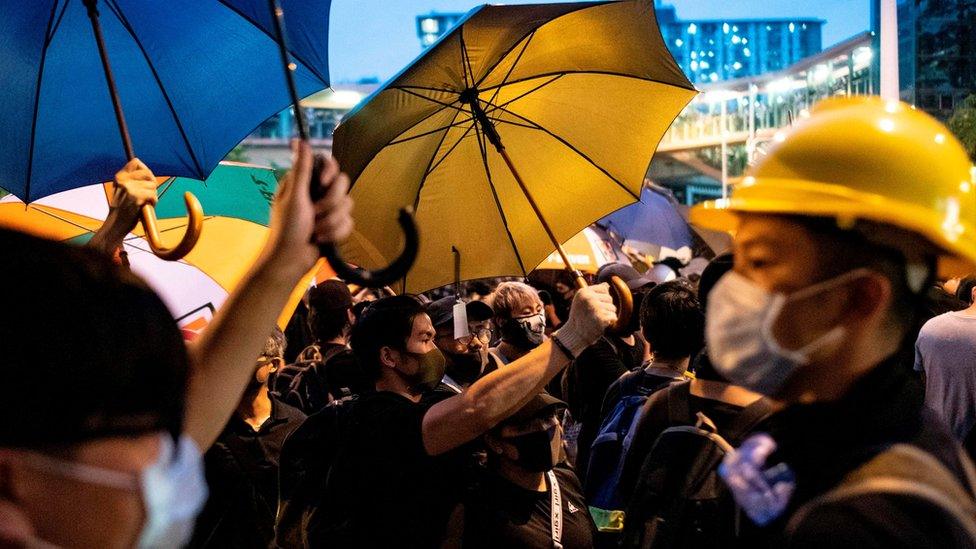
{"x":937,"y":53}
{"x":706,"y":50}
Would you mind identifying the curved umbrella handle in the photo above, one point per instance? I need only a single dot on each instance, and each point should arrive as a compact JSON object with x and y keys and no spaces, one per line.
{"x":193,"y":229}
{"x":362,"y":277}
{"x":387,"y":275}
{"x":623,"y":298}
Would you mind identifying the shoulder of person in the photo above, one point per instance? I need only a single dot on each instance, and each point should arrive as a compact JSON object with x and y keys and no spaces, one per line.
{"x":902,"y":493}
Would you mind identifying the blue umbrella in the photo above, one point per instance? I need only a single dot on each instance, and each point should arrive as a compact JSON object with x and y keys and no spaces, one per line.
{"x":653,"y":220}
{"x":194,"y":78}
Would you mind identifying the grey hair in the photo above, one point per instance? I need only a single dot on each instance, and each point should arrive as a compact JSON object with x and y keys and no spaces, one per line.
{"x":274,"y":346}
{"x":508,"y":295}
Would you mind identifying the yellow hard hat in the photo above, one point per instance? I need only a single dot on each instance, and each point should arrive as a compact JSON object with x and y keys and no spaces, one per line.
{"x":864,"y":158}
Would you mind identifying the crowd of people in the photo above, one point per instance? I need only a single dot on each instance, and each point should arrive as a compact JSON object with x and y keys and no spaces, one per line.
{"x":813,"y":387}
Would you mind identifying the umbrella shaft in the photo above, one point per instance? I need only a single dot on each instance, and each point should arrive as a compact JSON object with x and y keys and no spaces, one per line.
{"x":278,"y":19}
{"x":110,"y":79}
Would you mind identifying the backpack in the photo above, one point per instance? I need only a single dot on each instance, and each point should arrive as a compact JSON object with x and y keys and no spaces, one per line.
{"x":908,"y":471}
{"x":680,"y":500}
{"x":609,"y":448}
{"x":304,"y":465}
{"x":304,"y":384}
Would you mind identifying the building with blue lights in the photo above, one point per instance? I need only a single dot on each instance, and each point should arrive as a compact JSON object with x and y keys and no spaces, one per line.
{"x":706,"y":50}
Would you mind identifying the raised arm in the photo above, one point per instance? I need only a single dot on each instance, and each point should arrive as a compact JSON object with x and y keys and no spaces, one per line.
{"x":135,"y":185}
{"x":223,"y":356}
{"x":459,"y":419}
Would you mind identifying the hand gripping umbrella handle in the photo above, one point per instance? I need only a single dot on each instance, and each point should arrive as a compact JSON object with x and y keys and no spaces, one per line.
{"x":193,"y":228}
{"x":623,"y":299}
{"x":373,"y":279}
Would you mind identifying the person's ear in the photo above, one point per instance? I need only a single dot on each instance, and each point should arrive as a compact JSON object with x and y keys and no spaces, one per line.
{"x":870,"y":297}
{"x":389,"y":357}
{"x":277,"y":363}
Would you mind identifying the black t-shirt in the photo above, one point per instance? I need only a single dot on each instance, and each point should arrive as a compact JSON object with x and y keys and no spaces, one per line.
{"x":242,"y":473}
{"x":384,"y":490}
{"x":822,"y":442}
{"x":588,"y":379}
{"x":501,"y":514}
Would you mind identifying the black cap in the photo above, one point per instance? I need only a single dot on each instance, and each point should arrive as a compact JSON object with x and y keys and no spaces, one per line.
{"x":441,"y":311}
{"x":541,"y":405}
{"x":331,"y":295}
{"x":625,"y":272}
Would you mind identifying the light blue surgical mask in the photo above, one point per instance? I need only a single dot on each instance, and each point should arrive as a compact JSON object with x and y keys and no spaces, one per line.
{"x":173,"y":489}
{"x":739,"y":332}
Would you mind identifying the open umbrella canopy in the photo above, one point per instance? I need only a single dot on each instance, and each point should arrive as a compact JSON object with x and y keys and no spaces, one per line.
{"x":194,"y":78}
{"x":653,"y":222}
{"x":580,"y":94}
{"x":237,"y":198}
{"x":589,"y":250}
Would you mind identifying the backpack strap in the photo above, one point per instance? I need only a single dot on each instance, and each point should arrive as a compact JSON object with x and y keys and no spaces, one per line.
{"x":747,"y":419}
{"x":679,"y":410}
{"x":908,"y":471}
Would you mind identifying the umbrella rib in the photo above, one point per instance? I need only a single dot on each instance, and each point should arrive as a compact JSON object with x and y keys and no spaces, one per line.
{"x":37,"y":102}
{"x":599,"y":73}
{"x":432,"y":100}
{"x":512,"y":68}
{"x":434,"y":166}
{"x":498,"y":204}
{"x":533,"y":90}
{"x":62,"y":219}
{"x":295,"y":57}
{"x":574,"y":149}
{"x":159,"y":82}
{"x":428,"y":171}
{"x":533,"y":31}
{"x":54,"y":30}
{"x":425,"y":134}
{"x":413,"y":87}
{"x":465,"y":60}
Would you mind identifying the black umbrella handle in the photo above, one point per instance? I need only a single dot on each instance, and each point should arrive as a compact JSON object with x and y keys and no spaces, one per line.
{"x":373,"y":279}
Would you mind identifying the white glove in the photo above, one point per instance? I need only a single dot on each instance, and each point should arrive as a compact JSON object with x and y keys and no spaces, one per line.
{"x":591,"y":313}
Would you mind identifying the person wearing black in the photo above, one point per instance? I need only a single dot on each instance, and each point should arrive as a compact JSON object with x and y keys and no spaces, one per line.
{"x":326,"y":370}
{"x":818,"y":313}
{"x":526,"y":498}
{"x":242,"y":466}
{"x":466,"y":358}
{"x":587,"y":379}
{"x":672,"y":323}
{"x":395,"y":480}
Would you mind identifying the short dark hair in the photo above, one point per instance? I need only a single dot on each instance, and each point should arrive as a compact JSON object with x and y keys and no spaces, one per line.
{"x":672,"y":320}
{"x":387,"y":322}
{"x":964,"y":292}
{"x":92,"y":350}
{"x":328,"y":304}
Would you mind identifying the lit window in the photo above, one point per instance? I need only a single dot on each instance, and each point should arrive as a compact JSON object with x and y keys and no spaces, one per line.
{"x":694,"y":55}
{"x":725,"y":28}
{"x":769,"y":28}
{"x":679,"y":42}
{"x":792,"y":27}
{"x":735,"y":28}
{"x":694,"y":65}
{"x":430,"y":25}
{"x":710,"y":41}
{"x":692,"y":29}
{"x":429,"y":39}
{"x":747,"y":52}
{"x":711,"y":54}
{"x":736,"y":39}
{"x":704,"y":64}
{"x":736,"y":65}
{"x":803,"y":26}
{"x":713,"y":77}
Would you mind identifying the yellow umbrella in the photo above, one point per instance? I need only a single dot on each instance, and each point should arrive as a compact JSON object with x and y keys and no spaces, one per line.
{"x":572,"y":97}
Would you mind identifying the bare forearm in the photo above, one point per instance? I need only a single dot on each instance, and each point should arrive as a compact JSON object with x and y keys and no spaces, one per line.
{"x":224,"y":355}
{"x":110,"y":235}
{"x":491,"y":399}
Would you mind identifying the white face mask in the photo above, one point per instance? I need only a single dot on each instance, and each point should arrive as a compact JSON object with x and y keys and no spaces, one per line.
{"x":173,"y":489}
{"x":738,"y":331}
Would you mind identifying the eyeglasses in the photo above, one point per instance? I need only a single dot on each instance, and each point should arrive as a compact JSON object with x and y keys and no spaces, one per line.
{"x":484,"y":334}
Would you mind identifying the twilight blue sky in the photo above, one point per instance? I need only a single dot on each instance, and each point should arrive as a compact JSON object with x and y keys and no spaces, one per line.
{"x":378,"y":37}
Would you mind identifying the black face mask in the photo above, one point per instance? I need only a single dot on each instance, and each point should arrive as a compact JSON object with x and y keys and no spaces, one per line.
{"x":538,"y":451}
{"x":525,"y":333}
{"x":429,"y":372}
